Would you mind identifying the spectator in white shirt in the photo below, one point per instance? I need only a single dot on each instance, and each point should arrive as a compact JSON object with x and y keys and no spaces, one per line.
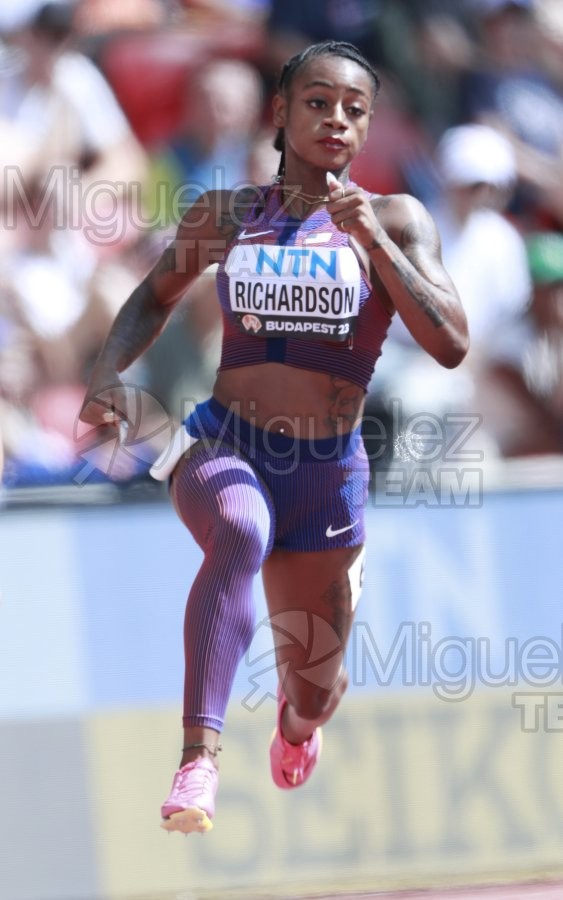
{"x":56,"y":108}
{"x":486,"y":257}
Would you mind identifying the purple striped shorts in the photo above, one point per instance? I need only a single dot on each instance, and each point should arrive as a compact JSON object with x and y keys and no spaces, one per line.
{"x":316,"y":489}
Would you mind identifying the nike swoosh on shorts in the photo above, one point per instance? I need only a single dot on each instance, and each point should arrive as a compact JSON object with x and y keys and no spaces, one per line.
{"x":332,"y":532}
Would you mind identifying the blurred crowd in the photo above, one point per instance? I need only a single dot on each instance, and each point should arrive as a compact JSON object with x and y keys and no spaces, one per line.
{"x":114,"y":116}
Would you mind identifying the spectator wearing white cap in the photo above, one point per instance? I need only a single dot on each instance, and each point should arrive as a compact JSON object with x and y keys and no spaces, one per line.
{"x":484,"y":252}
{"x":486,"y":257}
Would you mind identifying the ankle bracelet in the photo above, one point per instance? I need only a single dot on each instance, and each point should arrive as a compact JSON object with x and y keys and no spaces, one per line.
{"x":213,"y":751}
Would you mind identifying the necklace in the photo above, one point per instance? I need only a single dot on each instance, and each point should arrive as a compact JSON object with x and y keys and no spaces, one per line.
{"x":295,"y":194}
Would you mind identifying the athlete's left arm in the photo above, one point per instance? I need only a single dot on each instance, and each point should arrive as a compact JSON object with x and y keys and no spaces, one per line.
{"x":406,"y":254}
{"x":404,"y":247}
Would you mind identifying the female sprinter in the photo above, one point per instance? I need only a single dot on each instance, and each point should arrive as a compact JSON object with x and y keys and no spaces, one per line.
{"x":275,"y":475}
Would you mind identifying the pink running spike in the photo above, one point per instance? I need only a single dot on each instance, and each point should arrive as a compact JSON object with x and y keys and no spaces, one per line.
{"x":191,"y":803}
{"x":292,"y":764}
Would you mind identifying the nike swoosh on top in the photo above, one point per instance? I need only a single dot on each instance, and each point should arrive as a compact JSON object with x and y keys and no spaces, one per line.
{"x":244,"y":234}
{"x":332,"y":532}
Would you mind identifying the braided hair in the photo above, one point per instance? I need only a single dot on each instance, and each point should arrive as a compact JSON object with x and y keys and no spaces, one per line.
{"x":324,"y":48}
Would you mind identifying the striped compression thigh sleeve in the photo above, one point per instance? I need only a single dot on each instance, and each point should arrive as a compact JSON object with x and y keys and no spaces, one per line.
{"x":230,"y":514}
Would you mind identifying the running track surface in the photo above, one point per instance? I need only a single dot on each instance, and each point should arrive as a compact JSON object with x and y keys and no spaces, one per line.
{"x":532,"y":890}
{"x":529,"y":891}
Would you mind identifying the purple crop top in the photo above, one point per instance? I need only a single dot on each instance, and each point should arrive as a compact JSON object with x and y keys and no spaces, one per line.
{"x":293,"y":292}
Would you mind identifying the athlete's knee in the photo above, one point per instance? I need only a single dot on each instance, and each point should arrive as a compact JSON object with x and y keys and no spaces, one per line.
{"x":224,"y":509}
{"x":242,"y":538}
{"x":312,"y":701}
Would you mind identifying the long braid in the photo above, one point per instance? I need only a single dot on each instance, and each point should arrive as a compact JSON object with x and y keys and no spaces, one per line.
{"x":279,"y":144}
{"x":324,"y":48}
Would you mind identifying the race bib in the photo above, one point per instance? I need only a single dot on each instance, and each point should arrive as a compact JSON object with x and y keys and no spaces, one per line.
{"x":300,"y":292}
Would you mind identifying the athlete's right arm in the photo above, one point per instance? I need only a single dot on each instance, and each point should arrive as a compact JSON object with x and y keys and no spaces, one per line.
{"x":201,"y":238}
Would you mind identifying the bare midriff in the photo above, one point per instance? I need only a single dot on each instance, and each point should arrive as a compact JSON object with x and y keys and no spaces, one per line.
{"x":296,"y":402}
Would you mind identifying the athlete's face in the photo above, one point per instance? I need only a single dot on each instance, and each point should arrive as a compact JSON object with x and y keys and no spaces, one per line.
{"x":326,"y":112}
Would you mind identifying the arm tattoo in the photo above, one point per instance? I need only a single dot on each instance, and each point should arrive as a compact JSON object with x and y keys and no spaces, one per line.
{"x":231,"y":220}
{"x":380,"y":203}
{"x":416,"y":237}
{"x":345,"y":401}
{"x":137,"y":324}
{"x":226,"y":227}
{"x":418,"y":234}
{"x":245,"y":200}
{"x":420,"y":295}
{"x":167,"y":262}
